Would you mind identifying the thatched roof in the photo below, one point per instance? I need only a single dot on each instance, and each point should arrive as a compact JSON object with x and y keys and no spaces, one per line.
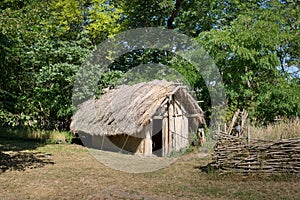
{"x":128,"y":109}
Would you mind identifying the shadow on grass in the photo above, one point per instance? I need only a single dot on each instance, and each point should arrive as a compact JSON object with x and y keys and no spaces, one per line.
{"x":215,"y":173}
{"x":18,"y":155}
{"x":208,"y":168}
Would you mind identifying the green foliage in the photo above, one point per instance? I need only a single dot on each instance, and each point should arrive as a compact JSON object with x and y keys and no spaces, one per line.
{"x":96,"y":18}
{"x":103,"y":20}
{"x":155,"y":64}
{"x":255,"y":45}
{"x":248,"y":57}
{"x":108,"y":80}
{"x":150,"y":13}
{"x":37,"y":71}
{"x":146,"y":73}
{"x":283,"y":100}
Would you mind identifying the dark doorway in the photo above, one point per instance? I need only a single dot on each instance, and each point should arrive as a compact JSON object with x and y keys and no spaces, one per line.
{"x":157,"y":137}
{"x":125,"y":143}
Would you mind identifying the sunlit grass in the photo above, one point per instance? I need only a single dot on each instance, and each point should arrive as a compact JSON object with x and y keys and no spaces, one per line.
{"x":47,"y":136}
{"x":72,"y":172}
{"x":280,"y":130}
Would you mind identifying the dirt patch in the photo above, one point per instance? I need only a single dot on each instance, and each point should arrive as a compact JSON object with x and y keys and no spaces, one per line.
{"x":131,"y":163}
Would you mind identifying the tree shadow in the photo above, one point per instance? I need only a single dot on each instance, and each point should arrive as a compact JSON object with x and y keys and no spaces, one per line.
{"x":208,"y":168}
{"x":17,"y":155}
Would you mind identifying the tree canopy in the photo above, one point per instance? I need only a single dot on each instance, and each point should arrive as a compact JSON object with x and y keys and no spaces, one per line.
{"x":255,"y":45}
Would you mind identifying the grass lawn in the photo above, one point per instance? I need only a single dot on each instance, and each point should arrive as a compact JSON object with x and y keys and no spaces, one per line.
{"x":29,"y":170}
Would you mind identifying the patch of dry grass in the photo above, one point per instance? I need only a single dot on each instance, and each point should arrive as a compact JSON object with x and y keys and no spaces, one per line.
{"x":279,"y":130}
{"x":75,"y":174}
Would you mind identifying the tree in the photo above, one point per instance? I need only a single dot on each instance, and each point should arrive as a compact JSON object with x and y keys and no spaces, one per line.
{"x":248,"y":53}
{"x":38,"y":66}
{"x":43,"y":43}
{"x":95,"y":18}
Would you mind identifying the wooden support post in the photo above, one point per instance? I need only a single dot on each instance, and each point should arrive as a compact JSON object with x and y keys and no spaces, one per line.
{"x":236,"y":114}
{"x":248,"y":135}
{"x":219,"y":129}
{"x":163,"y":139}
{"x":148,"y":139}
{"x":165,"y":131}
{"x":243,"y":121}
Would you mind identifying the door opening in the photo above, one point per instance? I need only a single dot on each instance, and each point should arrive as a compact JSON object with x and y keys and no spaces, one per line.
{"x":157,"y":137}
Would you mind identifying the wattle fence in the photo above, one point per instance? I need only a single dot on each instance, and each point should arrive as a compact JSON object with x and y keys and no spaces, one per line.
{"x":240,"y":155}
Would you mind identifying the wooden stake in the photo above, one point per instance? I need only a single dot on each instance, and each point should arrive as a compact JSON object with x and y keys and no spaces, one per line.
{"x":248,"y":134}
{"x":236,"y":114}
{"x":219,"y":129}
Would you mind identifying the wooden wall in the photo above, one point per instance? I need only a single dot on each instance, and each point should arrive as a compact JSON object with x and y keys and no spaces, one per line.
{"x":178,"y":129}
{"x":175,"y":135}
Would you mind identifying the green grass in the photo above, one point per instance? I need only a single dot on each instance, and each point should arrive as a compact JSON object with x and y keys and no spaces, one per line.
{"x":44,"y":136}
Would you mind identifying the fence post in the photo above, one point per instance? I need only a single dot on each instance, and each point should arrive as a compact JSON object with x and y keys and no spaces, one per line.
{"x":219,"y":129}
{"x":248,"y":135}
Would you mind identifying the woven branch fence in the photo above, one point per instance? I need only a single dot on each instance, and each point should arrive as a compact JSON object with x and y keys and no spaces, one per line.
{"x":240,"y":155}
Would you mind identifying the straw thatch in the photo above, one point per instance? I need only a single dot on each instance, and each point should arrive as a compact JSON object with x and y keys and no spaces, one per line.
{"x":128,"y":109}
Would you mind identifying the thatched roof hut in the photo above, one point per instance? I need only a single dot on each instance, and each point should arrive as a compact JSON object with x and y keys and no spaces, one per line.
{"x":137,"y":111}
